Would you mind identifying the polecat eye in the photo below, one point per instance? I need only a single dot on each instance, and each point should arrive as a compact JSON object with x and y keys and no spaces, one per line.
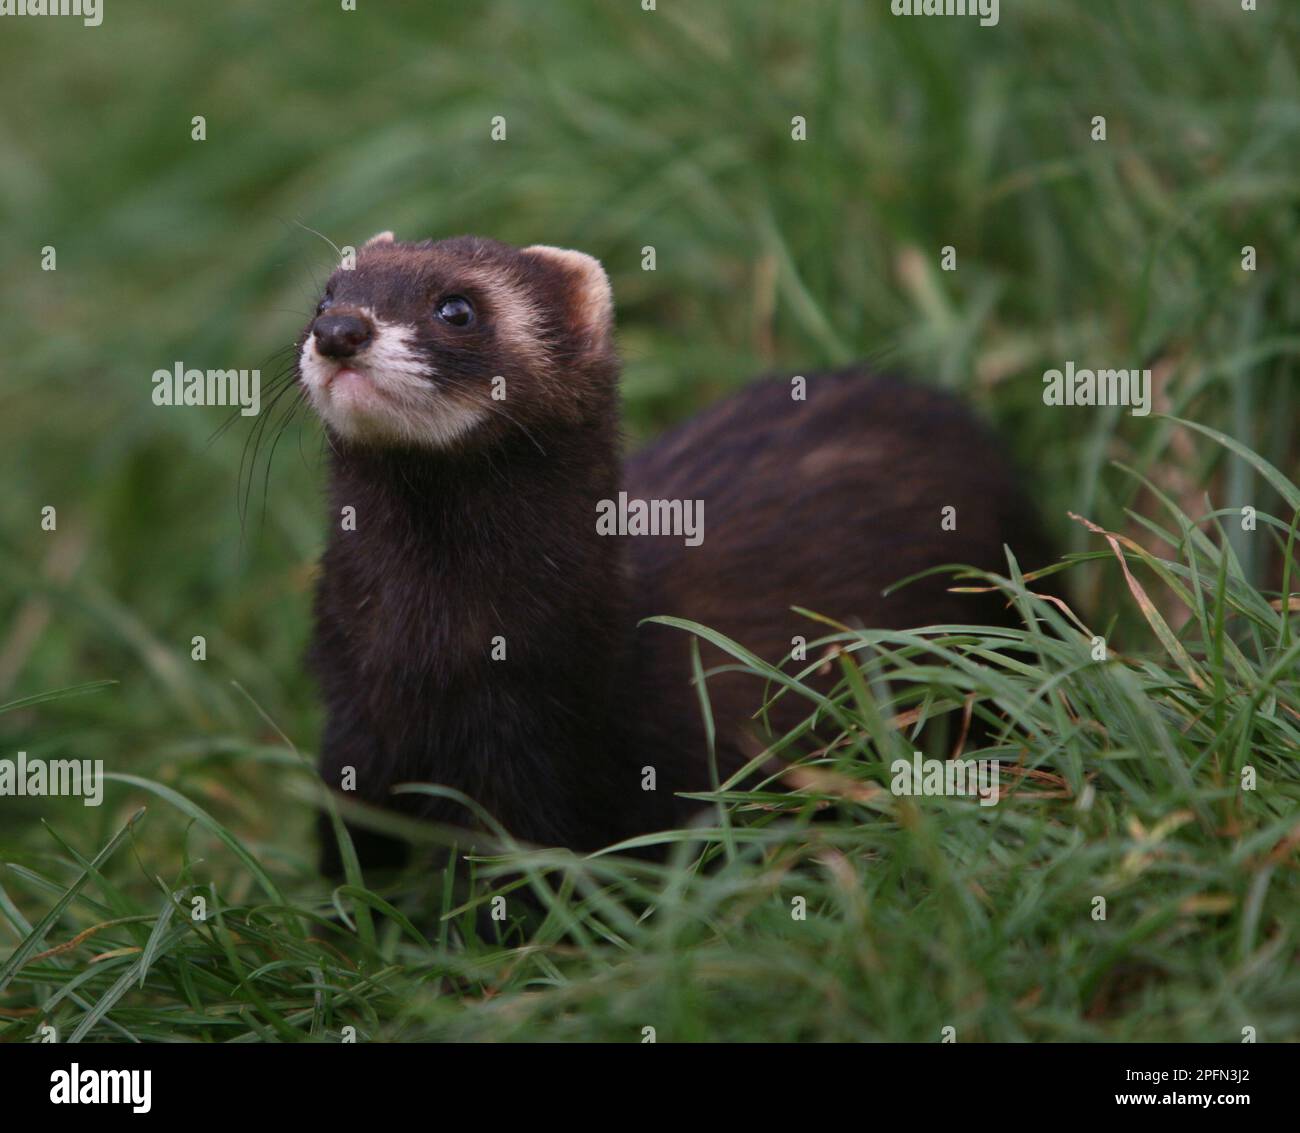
{"x":456,"y":310}
{"x":325,"y":302}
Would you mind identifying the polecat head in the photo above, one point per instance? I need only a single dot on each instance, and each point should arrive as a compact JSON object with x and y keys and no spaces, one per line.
{"x":439,"y":344}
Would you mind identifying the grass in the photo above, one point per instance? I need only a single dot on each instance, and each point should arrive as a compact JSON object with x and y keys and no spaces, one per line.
{"x":671,"y":129}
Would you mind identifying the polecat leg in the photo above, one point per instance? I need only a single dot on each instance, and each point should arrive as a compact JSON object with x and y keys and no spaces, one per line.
{"x":374,"y":851}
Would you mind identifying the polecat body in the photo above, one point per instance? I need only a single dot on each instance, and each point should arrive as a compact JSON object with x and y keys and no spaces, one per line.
{"x":477,"y":629}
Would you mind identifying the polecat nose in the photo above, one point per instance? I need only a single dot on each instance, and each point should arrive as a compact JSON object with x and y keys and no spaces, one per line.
{"x":341,"y":336}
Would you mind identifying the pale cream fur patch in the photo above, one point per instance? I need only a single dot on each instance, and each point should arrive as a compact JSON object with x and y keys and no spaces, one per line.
{"x":399,"y":404}
{"x":517,"y":319}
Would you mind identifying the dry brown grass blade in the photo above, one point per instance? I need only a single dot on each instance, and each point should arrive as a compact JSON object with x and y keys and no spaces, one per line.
{"x":1059,"y":603}
{"x":1171,"y":643}
{"x":831,"y":783}
{"x":84,"y":934}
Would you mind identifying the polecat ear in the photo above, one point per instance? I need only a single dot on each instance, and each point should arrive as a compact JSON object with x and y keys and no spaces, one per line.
{"x":590,"y":300}
{"x":379,"y":238}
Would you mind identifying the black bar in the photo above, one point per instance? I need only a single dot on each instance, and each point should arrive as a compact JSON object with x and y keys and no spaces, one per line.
{"x":340,"y":1081}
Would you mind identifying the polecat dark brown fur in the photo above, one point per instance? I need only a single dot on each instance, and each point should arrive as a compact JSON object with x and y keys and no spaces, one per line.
{"x":477,"y":629}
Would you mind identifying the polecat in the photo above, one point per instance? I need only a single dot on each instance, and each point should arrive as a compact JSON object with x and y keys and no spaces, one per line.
{"x":477,"y":623}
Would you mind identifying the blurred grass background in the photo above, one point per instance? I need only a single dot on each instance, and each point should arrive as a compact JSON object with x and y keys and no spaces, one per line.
{"x":626,"y":128}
